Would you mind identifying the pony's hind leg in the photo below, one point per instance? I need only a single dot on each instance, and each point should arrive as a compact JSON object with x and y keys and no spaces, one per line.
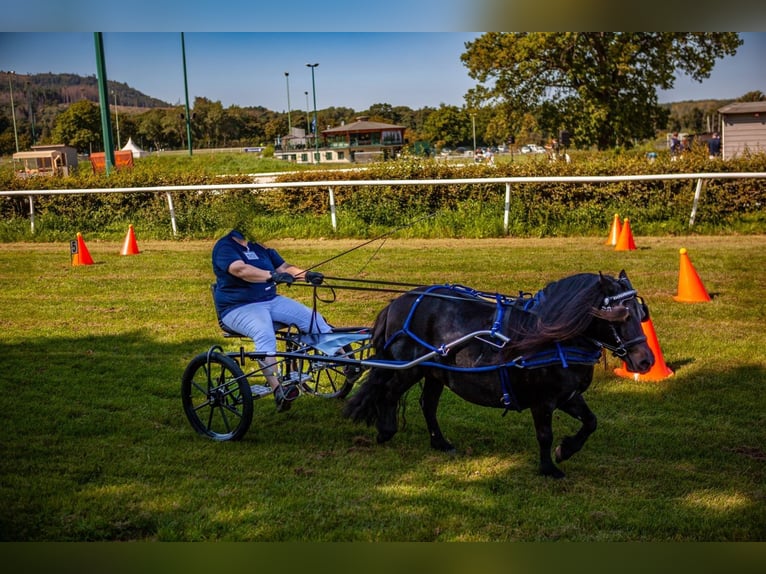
{"x":543,"y":417}
{"x":388,"y":407}
{"x":429,"y":402}
{"x":577,"y":408}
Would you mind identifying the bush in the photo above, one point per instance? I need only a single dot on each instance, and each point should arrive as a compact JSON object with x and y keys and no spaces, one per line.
{"x":462,"y":210}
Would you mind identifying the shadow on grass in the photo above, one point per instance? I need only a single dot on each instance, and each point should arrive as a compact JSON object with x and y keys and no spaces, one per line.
{"x":97,"y":448}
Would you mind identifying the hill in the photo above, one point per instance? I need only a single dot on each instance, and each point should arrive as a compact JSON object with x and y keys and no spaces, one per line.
{"x":45,"y":90}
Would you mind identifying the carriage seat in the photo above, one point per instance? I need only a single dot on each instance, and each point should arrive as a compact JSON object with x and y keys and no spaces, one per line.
{"x":228,"y":333}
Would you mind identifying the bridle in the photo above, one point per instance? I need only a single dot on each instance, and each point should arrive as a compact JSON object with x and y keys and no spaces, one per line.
{"x":620,"y":347}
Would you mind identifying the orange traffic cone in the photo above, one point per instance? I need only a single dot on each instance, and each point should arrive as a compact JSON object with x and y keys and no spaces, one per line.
{"x":614,"y":233}
{"x":79,"y":251}
{"x":625,"y":241}
{"x":659,"y":370}
{"x":690,"y":288}
{"x":130,"y":247}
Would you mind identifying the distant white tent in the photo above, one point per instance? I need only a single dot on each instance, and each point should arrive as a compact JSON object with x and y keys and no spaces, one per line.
{"x":137,"y":151}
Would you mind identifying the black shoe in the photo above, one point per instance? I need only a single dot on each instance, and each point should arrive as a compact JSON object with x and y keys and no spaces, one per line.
{"x":284,"y":397}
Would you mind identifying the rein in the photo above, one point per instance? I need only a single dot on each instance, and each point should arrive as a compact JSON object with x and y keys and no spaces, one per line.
{"x":485,"y":297}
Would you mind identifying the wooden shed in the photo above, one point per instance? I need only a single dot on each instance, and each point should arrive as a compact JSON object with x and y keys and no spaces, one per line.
{"x":47,"y":160}
{"x":743,"y":128}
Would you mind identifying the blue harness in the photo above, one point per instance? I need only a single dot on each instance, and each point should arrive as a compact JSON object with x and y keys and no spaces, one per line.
{"x":558,"y":354}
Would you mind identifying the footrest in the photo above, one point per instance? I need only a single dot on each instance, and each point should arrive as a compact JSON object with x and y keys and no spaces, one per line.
{"x":260,"y":390}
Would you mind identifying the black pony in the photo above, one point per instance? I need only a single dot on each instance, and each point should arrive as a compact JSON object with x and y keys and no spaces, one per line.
{"x":512,"y":353}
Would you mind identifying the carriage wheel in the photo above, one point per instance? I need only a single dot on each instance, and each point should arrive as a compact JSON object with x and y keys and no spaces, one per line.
{"x":330,"y":379}
{"x":216,"y":397}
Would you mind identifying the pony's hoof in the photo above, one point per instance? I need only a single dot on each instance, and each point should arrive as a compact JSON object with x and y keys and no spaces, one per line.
{"x":384,"y":437}
{"x":553,"y":472}
{"x":444,"y":447}
{"x":557,"y":452}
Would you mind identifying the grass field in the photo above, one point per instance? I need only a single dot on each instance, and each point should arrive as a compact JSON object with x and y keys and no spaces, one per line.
{"x":97,"y":447}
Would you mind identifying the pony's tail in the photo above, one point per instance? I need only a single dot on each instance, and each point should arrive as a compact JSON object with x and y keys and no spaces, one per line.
{"x":364,"y":404}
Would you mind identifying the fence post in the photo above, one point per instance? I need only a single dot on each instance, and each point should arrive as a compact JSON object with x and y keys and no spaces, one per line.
{"x":31,"y":214}
{"x":507,"y":207}
{"x":172,"y":213}
{"x":697,"y":193}
{"x":332,"y":210}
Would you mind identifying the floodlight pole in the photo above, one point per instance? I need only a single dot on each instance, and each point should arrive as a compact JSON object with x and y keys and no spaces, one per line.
{"x":316,"y":123}
{"x":13,"y":110}
{"x":117,"y":120}
{"x":289,"y":119}
{"x":186,"y":93}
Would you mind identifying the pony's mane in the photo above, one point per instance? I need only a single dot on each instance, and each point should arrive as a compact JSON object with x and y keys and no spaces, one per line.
{"x":563,"y":310}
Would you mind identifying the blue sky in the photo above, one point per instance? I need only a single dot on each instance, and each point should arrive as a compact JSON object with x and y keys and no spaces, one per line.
{"x":356,"y":69}
{"x":244,"y":15}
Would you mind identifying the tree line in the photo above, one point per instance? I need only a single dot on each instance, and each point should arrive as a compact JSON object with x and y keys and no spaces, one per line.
{"x":600,"y":87}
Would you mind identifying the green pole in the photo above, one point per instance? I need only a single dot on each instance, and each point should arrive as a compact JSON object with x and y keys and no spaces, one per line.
{"x":186,"y":93}
{"x":103,"y":98}
{"x":316,"y":123}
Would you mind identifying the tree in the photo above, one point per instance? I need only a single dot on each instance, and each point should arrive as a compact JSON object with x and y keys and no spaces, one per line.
{"x":448,"y":126}
{"x":208,"y":119}
{"x":601,"y":86}
{"x":754,"y":96}
{"x":150,"y":129}
{"x":80,"y":127}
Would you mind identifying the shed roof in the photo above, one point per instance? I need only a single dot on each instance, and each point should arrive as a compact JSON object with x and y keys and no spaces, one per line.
{"x":36,"y":154}
{"x":743,"y":108}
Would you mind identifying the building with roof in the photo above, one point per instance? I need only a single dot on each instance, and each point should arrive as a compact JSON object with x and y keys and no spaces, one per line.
{"x":358,"y":142}
{"x":45,"y":160}
{"x":743,"y":128}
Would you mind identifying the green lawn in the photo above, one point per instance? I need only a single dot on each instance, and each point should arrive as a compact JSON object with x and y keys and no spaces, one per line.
{"x":97,"y":446}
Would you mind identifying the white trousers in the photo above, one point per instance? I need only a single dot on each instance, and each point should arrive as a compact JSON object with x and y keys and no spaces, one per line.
{"x":256,"y":320}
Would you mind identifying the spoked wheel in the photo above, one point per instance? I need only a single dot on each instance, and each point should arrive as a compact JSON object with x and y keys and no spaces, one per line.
{"x":328,"y":378}
{"x":216,"y":397}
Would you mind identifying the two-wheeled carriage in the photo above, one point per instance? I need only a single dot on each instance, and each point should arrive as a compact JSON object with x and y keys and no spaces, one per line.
{"x":218,"y":387}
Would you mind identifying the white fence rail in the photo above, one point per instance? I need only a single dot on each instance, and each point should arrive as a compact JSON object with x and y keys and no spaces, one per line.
{"x":331,"y":185}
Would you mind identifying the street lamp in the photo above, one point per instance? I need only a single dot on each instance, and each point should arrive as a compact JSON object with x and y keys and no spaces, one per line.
{"x":316,"y":124}
{"x":308,"y":120}
{"x":117,"y":119}
{"x":473,"y":125}
{"x":289,"y":119}
{"x":13,"y":110}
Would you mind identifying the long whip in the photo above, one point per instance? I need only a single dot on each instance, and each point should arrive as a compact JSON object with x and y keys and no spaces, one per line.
{"x":377,"y":238}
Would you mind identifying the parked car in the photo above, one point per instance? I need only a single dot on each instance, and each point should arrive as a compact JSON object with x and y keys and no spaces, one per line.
{"x":532,"y":148}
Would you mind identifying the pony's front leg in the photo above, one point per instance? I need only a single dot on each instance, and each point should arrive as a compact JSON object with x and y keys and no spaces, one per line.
{"x":543,"y":417}
{"x":429,"y":403}
{"x":577,"y":408}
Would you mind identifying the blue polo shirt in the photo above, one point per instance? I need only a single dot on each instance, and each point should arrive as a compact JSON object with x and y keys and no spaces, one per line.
{"x":231,"y":291}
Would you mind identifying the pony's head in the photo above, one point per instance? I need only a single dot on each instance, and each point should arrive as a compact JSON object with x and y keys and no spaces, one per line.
{"x":617,"y":324}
